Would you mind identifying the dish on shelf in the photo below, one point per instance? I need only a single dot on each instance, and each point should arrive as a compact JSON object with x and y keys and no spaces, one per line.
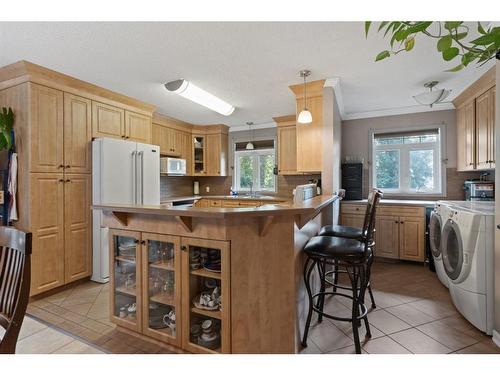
{"x":127,"y":250}
{"x":208,"y":300}
{"x":212,"y":266}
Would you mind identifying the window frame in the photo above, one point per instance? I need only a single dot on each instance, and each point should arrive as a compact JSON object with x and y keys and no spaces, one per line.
{"x":256,"y":177}
{"x":439,"y":156}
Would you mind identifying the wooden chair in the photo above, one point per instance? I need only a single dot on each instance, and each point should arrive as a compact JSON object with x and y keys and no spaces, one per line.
{"x":15,"y":270}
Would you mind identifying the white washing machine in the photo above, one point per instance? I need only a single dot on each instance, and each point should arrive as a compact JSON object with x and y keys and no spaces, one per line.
{"x":467,"y":252}
{"x":436,"y":222}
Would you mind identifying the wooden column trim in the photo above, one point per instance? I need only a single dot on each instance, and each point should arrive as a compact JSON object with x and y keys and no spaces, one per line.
{"x":122,"y":217}
{"x":265,"y":224}
{"x":186,"y":222}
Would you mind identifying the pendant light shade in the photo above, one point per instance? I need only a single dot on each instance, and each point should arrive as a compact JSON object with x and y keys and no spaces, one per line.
{"x":305,"y":117}
{"x":431,"y":97}
{"x":250,"y":145}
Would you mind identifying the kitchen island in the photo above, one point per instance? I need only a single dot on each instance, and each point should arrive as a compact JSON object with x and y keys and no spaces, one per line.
{"x":212,"y":279}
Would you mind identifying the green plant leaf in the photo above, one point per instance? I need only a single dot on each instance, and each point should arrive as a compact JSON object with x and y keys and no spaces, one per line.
{"x":450,"y":25}
{"x":450,"y":53}
{"x":382,"y":25}
{"x":480,"y":28}
{"x":420,"y":26}
{"x":444,"y":43}
{"x":484,"y":40}
{"x":382,"y":55}
{"x":367,"y":27}
{"x":456,"y":68}
{"x":409,"y":44}
{"x":460,"y":36}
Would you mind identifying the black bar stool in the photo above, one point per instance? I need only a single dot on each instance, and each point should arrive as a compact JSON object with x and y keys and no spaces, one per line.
{"x":354,"y":233}
{"x":355,"y":256}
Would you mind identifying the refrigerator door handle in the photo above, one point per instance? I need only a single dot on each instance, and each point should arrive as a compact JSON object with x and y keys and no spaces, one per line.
{"x":141,"y":154}
{"x":134,"y":175}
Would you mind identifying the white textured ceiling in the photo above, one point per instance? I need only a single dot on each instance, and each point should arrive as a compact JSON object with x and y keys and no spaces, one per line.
{"x":250,"y":65}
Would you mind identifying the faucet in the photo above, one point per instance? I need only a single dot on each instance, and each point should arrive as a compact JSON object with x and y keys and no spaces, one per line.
{"x":251,"y":188}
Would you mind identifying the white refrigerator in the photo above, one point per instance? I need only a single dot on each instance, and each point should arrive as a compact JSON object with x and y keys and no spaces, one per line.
{"x":123,"y":172}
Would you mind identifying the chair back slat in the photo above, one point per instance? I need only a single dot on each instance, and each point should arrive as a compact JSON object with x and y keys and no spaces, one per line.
{"x":370,"y":216}
{"x":15,"y":269}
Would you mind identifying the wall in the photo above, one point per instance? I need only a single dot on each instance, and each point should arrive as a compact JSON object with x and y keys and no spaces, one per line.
{"x":355,"y":142}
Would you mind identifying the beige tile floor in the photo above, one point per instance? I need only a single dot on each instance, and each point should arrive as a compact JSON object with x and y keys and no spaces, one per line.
{"x":414,"y":314}
{"x":39,"y":338}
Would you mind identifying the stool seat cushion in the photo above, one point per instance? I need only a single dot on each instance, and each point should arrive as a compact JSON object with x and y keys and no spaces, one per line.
{"x":335,"y":248}
{"x":341,"y":231}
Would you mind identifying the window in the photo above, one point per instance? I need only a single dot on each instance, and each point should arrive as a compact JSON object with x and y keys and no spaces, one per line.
{"x":254,"y":170}
{"x":408,"y":162}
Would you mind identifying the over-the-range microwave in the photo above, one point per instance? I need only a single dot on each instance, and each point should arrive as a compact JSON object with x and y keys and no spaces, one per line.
{"x":173,"y":166}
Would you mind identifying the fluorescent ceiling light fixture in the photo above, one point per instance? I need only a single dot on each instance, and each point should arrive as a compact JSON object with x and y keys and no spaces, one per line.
{"x":192,"y":92}
{"x":432,"y":97}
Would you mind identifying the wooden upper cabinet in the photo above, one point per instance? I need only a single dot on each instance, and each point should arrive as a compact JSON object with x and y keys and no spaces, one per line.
{"x":107,"y":121}
{"x":310,"y":136}
{"x":47,"y":225}
{"x":287,"y":150}
{"x":187,"y":152}
{"x":216,"y":157}
{"x":156,"y":135}
{"x":411,"y":238}
{"x":466,"y":139}
{"x":77,"y":227}
{"x":77,"y":134}
{"x":137,"y":127}
{"x":46,"y":129}
{"x":483,"y":130}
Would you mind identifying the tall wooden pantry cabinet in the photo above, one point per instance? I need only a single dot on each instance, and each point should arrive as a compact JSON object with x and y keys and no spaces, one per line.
{"x":56,"y":117}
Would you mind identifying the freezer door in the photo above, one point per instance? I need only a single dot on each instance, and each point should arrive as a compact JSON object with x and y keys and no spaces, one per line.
{"x":148,"y":173}
{"x":116,"y":178}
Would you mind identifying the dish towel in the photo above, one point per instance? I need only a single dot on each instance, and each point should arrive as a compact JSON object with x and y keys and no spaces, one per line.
{"x":12,"y":188}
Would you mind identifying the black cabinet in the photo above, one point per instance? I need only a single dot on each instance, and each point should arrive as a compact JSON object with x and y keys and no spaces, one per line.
{"x":352,"y":180}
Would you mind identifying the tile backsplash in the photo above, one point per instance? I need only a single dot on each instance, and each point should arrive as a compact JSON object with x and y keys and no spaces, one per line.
{"x":183,"y":186}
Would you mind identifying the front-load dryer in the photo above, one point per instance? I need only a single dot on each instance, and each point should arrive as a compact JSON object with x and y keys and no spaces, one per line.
{"x":435,"y":228}
{"x":467,"y":252}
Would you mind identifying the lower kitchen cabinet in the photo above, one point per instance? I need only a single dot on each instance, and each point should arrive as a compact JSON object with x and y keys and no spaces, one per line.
{"x":412,"y":238}
{"x":47,"y":225}
{"x":173,"y":289}
{"x":61,"y":227}
{"x":77,"y":227}
{"x":161,"y":287}
{"x":399,"y":230}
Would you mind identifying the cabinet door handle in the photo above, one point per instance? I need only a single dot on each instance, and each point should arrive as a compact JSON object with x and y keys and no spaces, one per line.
{"x":68,"y":166}
{"x":68,"y":180}
{"x":471,"y":163}
{"x":183,"y":248}
{"x":136,"y":241}
{"x":143,"y":242}
{"x":60,"y":166}
{"x":401,"y":222}
{"x":397,"y":222}
{"x":61,"y":180}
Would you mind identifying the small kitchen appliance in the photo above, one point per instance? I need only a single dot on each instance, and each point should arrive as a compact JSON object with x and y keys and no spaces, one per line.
{"x":173,"y":166}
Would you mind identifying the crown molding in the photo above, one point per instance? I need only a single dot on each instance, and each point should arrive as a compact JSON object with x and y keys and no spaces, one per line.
{"x":266,"y":125}
{"x":399,"y":111}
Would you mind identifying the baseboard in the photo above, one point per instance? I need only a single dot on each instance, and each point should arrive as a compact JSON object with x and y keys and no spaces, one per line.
{"x":496,"y":337}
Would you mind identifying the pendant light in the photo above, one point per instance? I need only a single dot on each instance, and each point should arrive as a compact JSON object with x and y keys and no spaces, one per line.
{"x":305,"y":116}
{"x":250,"y":145}
{"x":432,"y":96}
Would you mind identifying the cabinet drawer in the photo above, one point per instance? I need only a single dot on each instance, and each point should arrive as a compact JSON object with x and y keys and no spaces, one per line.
{"x":214,"y":203}
{"x":237,"y":204}
{"x":356,"y":209}
{"x":388,"y":210}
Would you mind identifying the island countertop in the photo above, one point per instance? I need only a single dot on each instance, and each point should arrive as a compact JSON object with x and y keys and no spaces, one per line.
{"x":307,"y":207}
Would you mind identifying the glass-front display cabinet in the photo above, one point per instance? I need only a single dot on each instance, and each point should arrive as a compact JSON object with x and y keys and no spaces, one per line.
{"x":125,"y":278}
{"x":161,"y":270}
{"x":206,"y":313}
{"x":199,"y":155}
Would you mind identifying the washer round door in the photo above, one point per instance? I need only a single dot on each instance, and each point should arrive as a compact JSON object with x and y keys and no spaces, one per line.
{"x":452,"y":250}
{"x":435,"y":234}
